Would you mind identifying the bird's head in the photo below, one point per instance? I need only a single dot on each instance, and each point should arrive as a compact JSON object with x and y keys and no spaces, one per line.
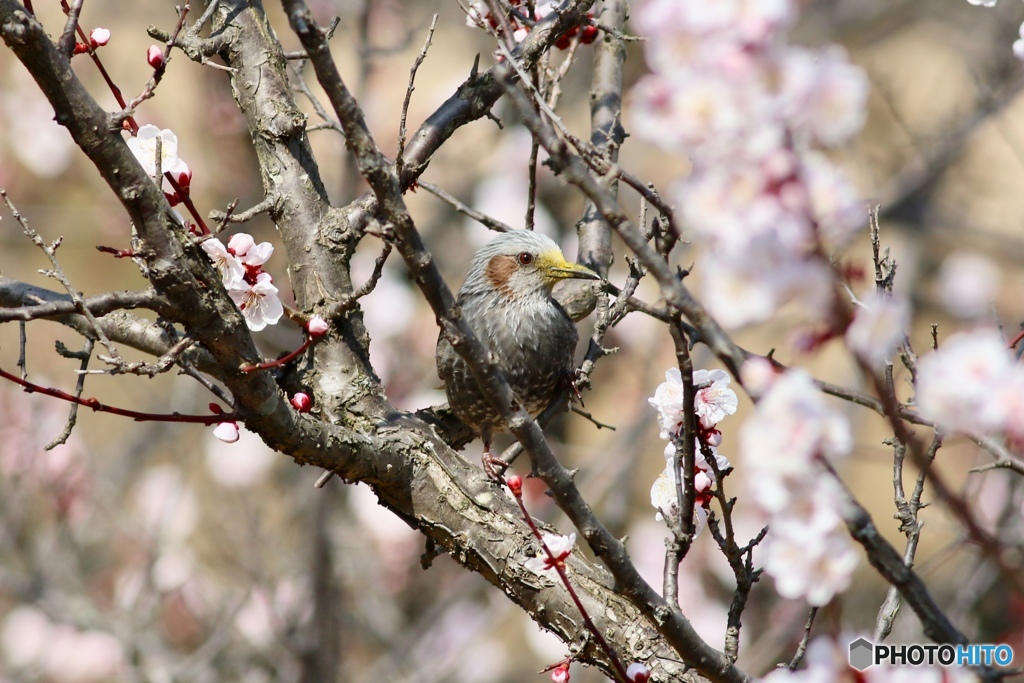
{"x":519,"y":263}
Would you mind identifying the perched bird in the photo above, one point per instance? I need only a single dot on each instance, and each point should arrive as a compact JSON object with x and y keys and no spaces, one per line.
{"x":506,"y":299}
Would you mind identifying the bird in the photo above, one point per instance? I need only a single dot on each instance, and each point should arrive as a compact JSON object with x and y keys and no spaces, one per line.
{"x":506,"y":300}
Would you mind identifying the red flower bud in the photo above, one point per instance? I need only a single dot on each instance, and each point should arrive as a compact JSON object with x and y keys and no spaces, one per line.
{"x":515,"y":485}
{"x":301,"y":402}
{"x":155,"y":56}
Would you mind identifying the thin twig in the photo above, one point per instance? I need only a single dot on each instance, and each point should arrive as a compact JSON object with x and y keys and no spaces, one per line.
{"x":482,"y":218}
{"x":802,"y":647}
{"x":408,"y":94}
{"x":84,"y":355}
{"x":33,"y":388}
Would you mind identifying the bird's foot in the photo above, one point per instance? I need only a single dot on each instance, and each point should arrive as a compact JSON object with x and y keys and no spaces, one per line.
{"x":573,"y":380}
{"x":493,"y":465}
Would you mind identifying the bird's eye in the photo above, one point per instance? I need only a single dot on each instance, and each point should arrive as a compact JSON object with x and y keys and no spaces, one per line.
{"x":525,"y":258}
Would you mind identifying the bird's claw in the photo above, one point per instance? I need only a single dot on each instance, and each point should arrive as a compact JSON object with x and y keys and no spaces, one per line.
{"x":494,"y":466}
{"x":573,"y":380}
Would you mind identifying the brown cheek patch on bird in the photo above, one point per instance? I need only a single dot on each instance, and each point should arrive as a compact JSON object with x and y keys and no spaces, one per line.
{"x":499,"y":271}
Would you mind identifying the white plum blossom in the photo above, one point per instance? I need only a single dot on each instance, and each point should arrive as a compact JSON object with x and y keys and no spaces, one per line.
{"x":968,"y":283}
{"x":961,"y":386}
{"x":813,"y":568}
{"x":143,"y":146}
{"x":663,"y":492}
{"x":559,"y":546}
{"x":792,"y":425}
{"x":228,"y":265}
{"x":259,"y":302}
{"x":668,"y":399}
{"x":758,"y":375}
{"x":712,"y":402}
{"x":824,"y":94}
{"x":879,"y":326}
{"x":807,"y":550}
{"x":666,"y":502}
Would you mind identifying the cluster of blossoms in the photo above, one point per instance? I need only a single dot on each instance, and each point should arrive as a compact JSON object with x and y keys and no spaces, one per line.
{"x":783,"y":444}
{"x":240,"y":265}
{"x":750,"y":112}
{"x":973,"y":384}
{"x":713,"y":401}
{"x":479,"y":15}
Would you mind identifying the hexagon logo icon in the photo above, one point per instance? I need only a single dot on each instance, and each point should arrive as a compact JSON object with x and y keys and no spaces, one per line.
{"x":862,"y":654}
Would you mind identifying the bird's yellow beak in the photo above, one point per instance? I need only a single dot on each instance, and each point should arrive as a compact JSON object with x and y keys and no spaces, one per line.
{"x":554,"y":267}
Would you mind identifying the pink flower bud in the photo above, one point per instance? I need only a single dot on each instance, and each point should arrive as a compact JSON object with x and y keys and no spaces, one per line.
{"x":515,"y":485}
{"x":240,"y":244}
{"x":183,"y":176}
{"x":560,"y":674}
{"x":216,"y":409}
{"x":638,"y":673}
{"x":155,"y":56}
{"x":226,"y":432}
{"x":99,"y":36}
{"x":301,"y":402}
{"x":713,"y":437}
{"x":317,"y":327}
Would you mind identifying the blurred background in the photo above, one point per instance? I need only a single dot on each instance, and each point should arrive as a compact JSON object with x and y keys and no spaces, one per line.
{"x":154,"y":552}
